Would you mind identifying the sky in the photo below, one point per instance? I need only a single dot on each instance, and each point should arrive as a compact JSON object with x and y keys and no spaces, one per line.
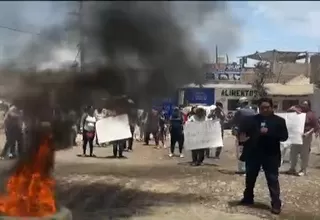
{"x":254,"y":26}
{"x":287,"y":26}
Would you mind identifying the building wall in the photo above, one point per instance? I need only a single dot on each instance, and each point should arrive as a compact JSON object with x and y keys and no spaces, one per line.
{"x":285,"y":102}
{"x":315,"y":101}
{"x":315,"y":69}
{"x":283,"y":72}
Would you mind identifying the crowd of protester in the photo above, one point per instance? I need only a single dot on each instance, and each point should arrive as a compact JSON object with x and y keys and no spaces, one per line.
{"x":259,"y":136}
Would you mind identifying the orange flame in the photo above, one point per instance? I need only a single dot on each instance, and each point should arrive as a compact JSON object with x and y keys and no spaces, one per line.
{"x":30,"y":190}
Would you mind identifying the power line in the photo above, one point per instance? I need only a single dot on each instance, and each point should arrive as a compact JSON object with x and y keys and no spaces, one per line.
{"x":18,"y":30}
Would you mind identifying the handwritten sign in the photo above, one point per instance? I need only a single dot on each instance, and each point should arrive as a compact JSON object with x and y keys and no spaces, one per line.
{"x":295,"y":125}
{"x":205,"y":134}
{"x":113,"y":128}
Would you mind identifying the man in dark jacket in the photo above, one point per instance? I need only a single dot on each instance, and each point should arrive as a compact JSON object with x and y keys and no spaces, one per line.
{"x":176,"y":132}
{"x":152,"y":127}
{"x":261,"y":135}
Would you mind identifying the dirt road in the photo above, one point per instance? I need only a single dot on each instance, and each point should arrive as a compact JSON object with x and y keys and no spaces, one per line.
{"x":150,"y":185}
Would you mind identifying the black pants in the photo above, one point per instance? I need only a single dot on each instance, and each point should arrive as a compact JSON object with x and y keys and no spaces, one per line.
{"x":130,"y":141}
{"x":218,"y":151}
{"x":118,"y":147}
{"x":176,"y":137}
{"x":198,"y":155}
{"x":13,"y":137}
{"x":87,"y":140}
{"x":270,"y":165}
{"x":155,"y":136}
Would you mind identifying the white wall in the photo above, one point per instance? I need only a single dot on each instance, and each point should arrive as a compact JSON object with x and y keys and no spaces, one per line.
{"x":224,"y":99}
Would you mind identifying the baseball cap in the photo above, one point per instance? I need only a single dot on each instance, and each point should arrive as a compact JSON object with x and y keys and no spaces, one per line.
{"x":243,"y":99}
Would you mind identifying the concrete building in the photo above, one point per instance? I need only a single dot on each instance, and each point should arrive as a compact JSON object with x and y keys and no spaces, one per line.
{"x":228,"y":82}
{"x":315,"y":79}
{"x":208,"y":94}
{"x":290,"y":93}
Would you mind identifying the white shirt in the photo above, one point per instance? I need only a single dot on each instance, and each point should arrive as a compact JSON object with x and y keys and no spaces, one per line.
{"x":89,"y":123}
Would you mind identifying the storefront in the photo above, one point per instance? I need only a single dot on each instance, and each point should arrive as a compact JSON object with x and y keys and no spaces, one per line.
{"x":292,"y":93}
{"x":230,"y":96}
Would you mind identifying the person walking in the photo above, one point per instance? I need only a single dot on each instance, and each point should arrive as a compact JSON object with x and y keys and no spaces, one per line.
{"x":133,"y":117}
{"x":176,"y":132}
{"x":261,"y":135}
{"x":241,"y":114}
{"x":99,"y":113}
{"x":311,"y":126}
{"x":142,"y":120}
{"x":13,"y":131}
{"x":198,"y":154}
{"x":218,"y":114}
{"x":152,"y":127}
{"x":88,"y":129}
{"x":162,"y":127}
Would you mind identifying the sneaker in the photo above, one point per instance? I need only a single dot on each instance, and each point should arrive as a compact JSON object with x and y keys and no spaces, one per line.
{"x":11,"y":156}
{"x":181,"y":156}
{"x":83,"y":155}
{"x":2,"y":158}
{"x":164,"y":146}
{"x":302,"y":173}
{"x":170,"y":155}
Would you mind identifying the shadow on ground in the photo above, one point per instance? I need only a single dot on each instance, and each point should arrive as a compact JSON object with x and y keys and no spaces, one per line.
{"x":107,"y":201}
{"x":264,"y":211}
{"x":161,"y":172}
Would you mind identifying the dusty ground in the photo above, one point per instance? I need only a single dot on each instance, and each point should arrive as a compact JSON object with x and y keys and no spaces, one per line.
{"x":150,"y":185}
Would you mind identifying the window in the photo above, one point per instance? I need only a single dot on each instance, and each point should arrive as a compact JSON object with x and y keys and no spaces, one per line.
{"x":286,"y":104}
{"x":233,"y":104}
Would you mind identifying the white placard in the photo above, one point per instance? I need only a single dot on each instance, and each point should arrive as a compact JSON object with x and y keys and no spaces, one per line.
{"x":205,"y":134}
{"x":113,"y":128}
{"x":295,"y":124}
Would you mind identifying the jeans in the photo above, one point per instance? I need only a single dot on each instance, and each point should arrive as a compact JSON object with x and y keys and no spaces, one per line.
{"x":270,"y":165}
{"x":198,"y":156}
{"x":118,"y":147}
{"x":176,"y":137}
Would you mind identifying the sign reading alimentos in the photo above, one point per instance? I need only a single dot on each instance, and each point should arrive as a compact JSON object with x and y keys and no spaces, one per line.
{"x":239,"y":92}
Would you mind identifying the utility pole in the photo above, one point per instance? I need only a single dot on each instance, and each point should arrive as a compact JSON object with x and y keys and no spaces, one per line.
{"x":82,"y":38}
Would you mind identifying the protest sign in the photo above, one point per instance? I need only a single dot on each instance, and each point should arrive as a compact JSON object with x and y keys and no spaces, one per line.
{"x":113,"y":128}
{"x":205,"y":134}
{"x":295,"y":124}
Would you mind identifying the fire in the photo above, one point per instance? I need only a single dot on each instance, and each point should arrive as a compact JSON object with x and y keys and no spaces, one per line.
{"x":30,"y":190}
